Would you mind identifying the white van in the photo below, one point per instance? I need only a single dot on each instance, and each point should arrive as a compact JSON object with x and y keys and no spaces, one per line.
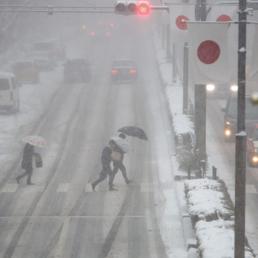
{"x":9,"y":93}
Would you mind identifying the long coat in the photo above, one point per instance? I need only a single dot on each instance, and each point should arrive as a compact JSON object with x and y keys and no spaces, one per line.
{"x":27,"y":157}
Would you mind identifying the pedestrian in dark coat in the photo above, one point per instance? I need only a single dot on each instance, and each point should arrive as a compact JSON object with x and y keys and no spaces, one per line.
{"x":106,"y":168}
{"x":118,"y":163}
{"x":27,"y":163}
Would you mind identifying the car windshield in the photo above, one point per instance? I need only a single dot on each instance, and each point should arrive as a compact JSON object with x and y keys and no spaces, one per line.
{"x":4,"y":84}
{"x":251,"y":110}
{"x":123,"y":63}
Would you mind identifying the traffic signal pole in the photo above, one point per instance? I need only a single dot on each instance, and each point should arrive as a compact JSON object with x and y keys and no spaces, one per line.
{"x":240,"y":148}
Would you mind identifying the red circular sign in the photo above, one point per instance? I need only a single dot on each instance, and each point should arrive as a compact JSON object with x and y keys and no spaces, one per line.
{"x":208,"y":51}
{"x":181,"y":22}
{"x":223,"y":18}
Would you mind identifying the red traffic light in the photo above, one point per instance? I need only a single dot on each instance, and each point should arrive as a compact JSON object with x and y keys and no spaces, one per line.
{"x":143,"y":8}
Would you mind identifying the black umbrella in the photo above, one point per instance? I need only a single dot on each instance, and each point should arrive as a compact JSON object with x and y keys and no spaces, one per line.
{"x":134,"y":131}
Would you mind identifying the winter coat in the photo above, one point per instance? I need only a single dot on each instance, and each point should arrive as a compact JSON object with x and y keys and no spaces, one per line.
{"x":106,"y":157}
{"x":27,"y":158}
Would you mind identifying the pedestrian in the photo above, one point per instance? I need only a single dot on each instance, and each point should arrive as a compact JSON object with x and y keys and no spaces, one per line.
{"x":27,"y":163}
{"x":106,"y":166}
{"x":121,"y":147}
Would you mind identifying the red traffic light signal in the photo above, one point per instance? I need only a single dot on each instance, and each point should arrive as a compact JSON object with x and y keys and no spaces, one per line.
{"x":143,"y":8}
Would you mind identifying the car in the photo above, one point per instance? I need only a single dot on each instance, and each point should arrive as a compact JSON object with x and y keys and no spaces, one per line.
{"x":123,"y":70}
{"x":44,"y":63}
{"x":47,"y":54}
{"x":26,"y":72}
{"x":252,"y":146}
{"x":220,"y":90}
{"x":77,"y":70}
{"x":53,"y":49}
{"x":230,"y":116}
{"x":9,"y":93}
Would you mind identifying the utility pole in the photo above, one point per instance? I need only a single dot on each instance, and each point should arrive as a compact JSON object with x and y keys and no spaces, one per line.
{"x":200,"y":100}
{"x":240,"y":148}
{"x":185,"y":78}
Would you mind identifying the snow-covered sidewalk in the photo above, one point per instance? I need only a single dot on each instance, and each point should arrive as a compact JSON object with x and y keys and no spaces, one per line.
{"x":207,"y":200}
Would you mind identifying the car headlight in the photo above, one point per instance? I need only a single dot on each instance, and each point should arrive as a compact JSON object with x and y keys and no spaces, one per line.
{"x":234,"y":88}
{"x":227,"y":132}
{"x":210,"y":87}
{"x":255,"y":159}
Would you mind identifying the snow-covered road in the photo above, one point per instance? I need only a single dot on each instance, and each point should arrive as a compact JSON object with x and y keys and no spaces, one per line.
{"x":60,"y":216}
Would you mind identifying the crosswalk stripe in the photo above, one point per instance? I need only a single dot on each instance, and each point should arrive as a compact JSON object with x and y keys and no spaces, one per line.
{"x":63,"y":187}
{"x":9,"y":188}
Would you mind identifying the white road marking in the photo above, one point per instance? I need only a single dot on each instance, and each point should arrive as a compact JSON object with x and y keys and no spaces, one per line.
{"x":32,"y":188}
{"x":63,"y":187}
{"x":9,"y":188}
{"x":58,"y":252}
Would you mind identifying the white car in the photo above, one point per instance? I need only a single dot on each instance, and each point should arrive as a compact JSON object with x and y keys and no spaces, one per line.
{"x":9,"y":93}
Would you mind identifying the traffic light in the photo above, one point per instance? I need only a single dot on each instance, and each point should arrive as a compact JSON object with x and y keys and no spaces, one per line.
{"x":140,"y":7}
{"x":120,"y":7}
{"x":143,"y":8}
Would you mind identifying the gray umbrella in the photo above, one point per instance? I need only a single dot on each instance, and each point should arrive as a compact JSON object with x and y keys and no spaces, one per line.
{"x":134,"y":131}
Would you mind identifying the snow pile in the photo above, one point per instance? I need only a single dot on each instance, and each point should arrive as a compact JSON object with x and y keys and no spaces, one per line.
{"x":212,"y":213}
{"x":209,"y":234}
{"x":206,"y":199}
{"x":203,"y":183}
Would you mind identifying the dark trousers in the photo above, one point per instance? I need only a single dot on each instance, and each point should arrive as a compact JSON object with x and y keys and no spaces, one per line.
{"x":103,"y":175}
{"x":28,"y":173}
{"x":119,"y":165}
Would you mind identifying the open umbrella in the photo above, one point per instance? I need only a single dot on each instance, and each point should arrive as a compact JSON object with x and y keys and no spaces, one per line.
{"x":134,"y":131}
{"x":35,"y":140}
